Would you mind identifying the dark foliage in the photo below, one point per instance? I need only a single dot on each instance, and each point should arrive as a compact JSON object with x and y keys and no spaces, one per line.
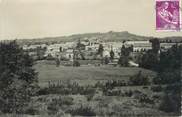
{"x":76,"y":63}
{"x":18,"y":80}
{"x":168,"y":76}
{"x":157,"y":88}
{"x":169,"y":73}
{"x":82,"y":111}
{"x":171,"y":59}
{"x":106,"y":60}
{"x":169,"y":67}
{"x":171,"y":103}
{"x":149,"y":60}
{"x":139,"y":79}
{"x":100,"y":50}
{"x":155,"y":45}
{"x":112,"y":55}
{"x":66,"y":89}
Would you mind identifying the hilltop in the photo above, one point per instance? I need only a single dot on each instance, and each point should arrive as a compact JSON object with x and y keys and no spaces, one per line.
{"x":105,"y":37}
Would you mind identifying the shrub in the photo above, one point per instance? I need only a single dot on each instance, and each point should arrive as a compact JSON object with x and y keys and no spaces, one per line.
{"x":76,"y":64}
{"x":111,"y":84}
{"x":52,"y":108}
{"x":169,"y":104}
{"x":156,"y":88}
{"x":82,"y":111}
{"x":43,"y":91}
{"x":128,"y":93}
{"x":65,"y":101}
{"x":174,"y":88}
{"x":145,"y":87}
{"x":113,"y":93}
{"x":143,"y":98}
{"x":68,"y":88}
{"x":169,"y":76}
{"x":32,"y":111}
{"x":139,"y":79}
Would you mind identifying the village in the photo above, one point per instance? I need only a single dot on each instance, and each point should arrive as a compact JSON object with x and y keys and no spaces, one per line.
{"x":67,"y":52}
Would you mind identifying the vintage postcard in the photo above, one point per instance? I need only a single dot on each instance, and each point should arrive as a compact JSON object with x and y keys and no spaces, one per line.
{"x":168,"y":15}
{"x":90,"y":58}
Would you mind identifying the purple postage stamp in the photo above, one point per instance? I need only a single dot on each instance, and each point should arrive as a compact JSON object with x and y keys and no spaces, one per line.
{"x":168,"y":15}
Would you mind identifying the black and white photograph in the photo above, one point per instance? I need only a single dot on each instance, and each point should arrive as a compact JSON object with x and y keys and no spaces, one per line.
{"x":90,"y":58}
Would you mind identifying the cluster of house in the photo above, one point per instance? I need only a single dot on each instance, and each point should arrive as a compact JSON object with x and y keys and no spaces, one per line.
{"x":90,"y":47}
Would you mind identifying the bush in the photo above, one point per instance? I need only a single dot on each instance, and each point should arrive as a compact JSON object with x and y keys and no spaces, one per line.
{"x":169,"y":76}
{"x":171,"y":103}
{"x":65,"y":101}
{"x":82,"y":111}
{"x":76,"y":64}
{"x":32,"y":111}
{"x":139,"y":79}
{"x":53,"y":108}
{"x":156,"y":88}
{"x":67,"y":88}
{"x":43,"y":91}
{"x":174,"y":88}
{"x":56,"y":103}
{"x":143,"y":98}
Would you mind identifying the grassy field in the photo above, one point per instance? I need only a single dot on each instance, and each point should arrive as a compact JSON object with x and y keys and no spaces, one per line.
{"x":85,"y":74}
{"x":87,"y":97}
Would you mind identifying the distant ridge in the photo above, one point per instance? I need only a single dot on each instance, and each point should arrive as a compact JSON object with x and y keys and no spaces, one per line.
{"x":110,"y":36}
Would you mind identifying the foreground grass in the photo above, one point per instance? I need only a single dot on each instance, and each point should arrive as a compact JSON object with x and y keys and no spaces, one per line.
{"x":101,"y":100}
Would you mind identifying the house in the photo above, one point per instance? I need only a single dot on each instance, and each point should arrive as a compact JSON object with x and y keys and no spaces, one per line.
{"x":66,"y":55}
{"x":106,"y":53}
{"x":167,"y":45}
{"x":92,"y":46}
{"x":139,"y":46}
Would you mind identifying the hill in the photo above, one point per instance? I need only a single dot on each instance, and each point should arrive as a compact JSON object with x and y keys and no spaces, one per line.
{"x":105,"y":37}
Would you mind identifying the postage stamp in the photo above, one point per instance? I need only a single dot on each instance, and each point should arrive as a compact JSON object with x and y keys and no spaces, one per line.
{"x":168,"y":15}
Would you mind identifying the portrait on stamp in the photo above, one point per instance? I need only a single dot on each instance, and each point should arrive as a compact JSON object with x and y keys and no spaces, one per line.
{"x":167,"y":15}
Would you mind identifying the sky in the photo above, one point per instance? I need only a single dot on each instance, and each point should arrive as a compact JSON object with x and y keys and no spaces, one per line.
{"x":21,"y":19}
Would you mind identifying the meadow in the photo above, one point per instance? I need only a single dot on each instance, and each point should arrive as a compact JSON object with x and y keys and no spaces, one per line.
{"x":91,"y":90}
{"x":94,"y":91}
{"x":85,"y":75}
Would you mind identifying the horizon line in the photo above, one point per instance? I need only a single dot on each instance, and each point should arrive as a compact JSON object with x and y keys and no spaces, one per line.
{"x":73,"y":34}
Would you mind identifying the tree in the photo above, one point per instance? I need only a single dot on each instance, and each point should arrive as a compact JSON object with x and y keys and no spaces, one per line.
{"x":40,"y":52}
{"x":57,"y":60}
{"x":100,"y":50}
{"x":106,"y":60}
{"x":169,"y":66}
{"x":171,"y":58}
{"x":112,"y":55}
{"x":18,"y":80}
{"x":155,"y":45}
{"x":149,"y":60}
{"x":60,"y":49}
{"x":169,"y":73}
{"x":124,"y":56}
{"x":79,"y":48}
